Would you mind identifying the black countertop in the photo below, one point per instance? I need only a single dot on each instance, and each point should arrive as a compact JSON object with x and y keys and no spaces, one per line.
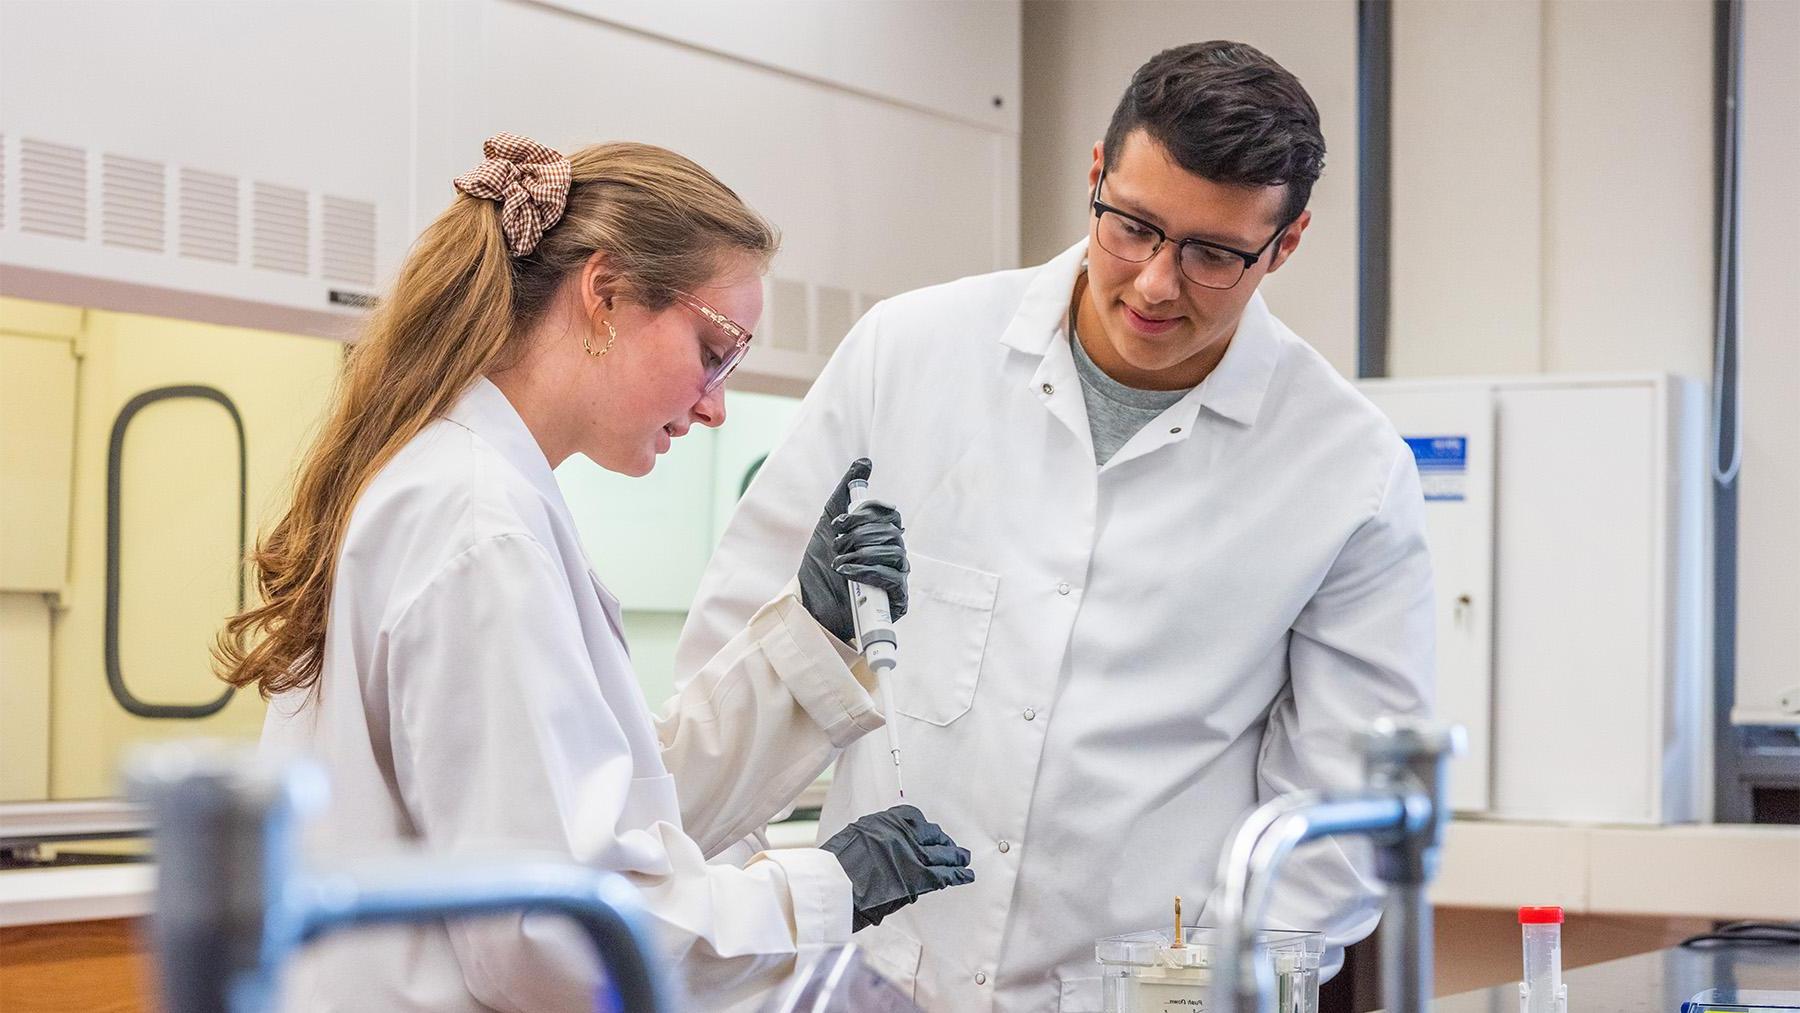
{"x":1650,"y":983}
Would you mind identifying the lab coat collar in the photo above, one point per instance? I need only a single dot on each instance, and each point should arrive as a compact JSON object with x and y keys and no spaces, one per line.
{"x":1236,"y":386}
{"x":485,"y":411}
{"x":1043,"y":315}
{"x":1234,"y":389}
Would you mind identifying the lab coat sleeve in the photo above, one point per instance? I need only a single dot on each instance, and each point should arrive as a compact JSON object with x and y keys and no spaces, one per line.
{"x":1361,"y":648}
{"x":504,"y":741}
{"x":761,"y":548}
{"x":761,"y":720}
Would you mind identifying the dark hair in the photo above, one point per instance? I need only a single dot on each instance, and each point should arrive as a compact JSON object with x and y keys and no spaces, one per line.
{"x":1227,"y":112}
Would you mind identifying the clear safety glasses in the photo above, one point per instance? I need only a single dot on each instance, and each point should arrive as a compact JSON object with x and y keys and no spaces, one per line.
{"x":719,"y":366}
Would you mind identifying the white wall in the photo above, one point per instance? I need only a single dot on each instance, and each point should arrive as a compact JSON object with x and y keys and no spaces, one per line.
{"x":1554,"y":212}
{"x":882,"y":138}
{"x":1769,"y":487}
{"x":1079,"y":55}
{"x":952,"y":59}
{"x":1552,"y":190}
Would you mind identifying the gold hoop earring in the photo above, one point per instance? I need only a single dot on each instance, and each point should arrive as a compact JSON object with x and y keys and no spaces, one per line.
{"x":611,"y":336}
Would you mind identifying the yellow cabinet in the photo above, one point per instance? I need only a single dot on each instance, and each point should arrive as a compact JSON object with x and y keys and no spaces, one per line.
{"x":188,"y":435}
{"x":37,"y":452}
{"x":24,"y":696}
{"x":37,"y":439}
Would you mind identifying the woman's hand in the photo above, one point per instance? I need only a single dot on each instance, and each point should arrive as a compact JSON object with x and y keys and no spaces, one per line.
{"x":893,"y":858}
{"x":863,"y":545}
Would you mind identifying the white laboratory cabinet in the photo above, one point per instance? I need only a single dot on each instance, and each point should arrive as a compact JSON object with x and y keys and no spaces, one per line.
{"x":1570,"y":534}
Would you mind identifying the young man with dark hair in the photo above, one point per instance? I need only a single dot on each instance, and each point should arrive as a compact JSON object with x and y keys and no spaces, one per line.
{"x":1165,"y":560}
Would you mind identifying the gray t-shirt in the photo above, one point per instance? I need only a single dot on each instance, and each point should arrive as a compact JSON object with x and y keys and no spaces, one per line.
{"x":1115,"y":412}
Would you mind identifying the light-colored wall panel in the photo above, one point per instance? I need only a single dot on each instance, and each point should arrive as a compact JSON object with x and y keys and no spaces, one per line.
{"x":1581,"y":136}
{"x":1628,"y":186}
{"x":1768,"y":597}
{"x":951,"y":58}
{"x":871,"y":193}
{"x":1080,"y":54}
{"x":1467,"y":197}
{"x":868,"y":132}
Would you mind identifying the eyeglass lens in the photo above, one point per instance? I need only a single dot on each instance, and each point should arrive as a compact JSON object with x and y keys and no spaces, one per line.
{"x":1202,"y":265}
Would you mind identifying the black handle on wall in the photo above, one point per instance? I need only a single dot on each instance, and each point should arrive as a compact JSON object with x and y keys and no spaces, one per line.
{"x":115,"y":678}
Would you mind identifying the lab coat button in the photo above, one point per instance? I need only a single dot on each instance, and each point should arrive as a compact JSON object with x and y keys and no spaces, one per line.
{"x":1004,"y":847}
{"x":1030,"y":714}
{"x":980,"y":977}
{"x":1175,"y":431}
{"x":1062,"y":588}
{"x":1049,"y":388}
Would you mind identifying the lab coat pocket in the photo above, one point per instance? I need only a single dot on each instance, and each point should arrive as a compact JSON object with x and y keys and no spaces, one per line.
{"x":942,"y":639}
{"x":1080,"y":995}
{"x":892,"y":954}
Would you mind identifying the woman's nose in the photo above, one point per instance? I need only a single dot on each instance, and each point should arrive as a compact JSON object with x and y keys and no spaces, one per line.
{"x":710,"y":409}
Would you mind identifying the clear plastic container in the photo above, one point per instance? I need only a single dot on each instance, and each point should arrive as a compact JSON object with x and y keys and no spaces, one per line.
{"x":1144,"y":972}
{"x":1542,"y":989}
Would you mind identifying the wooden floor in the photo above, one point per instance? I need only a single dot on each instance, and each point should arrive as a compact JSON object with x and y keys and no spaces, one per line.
{"x":79,"y":967}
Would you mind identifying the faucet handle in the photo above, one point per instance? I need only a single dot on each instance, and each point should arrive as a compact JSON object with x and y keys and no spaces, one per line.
{"x":1402,"y":739}
{"x":1410,"y":757}
{"x":226,"y":832}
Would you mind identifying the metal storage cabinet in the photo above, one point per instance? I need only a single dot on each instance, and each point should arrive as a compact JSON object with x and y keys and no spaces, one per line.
{"x":1598,"y":632}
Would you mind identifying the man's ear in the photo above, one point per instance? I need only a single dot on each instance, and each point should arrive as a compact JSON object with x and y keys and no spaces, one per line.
{"x":1099,"y":164}
{"x":1290,"y":241}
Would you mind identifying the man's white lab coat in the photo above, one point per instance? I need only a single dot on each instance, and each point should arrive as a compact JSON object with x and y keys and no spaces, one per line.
{"x":1103,"y":668}
{"x":477,"y":699}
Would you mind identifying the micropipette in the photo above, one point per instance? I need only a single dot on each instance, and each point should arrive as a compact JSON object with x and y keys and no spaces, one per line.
{"x":875,"y":638}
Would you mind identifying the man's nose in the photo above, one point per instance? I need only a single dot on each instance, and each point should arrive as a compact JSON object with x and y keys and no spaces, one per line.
{"x":1159,"y":280}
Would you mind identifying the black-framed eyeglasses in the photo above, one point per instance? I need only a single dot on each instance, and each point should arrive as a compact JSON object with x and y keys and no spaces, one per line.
{"x":721,"y":365}
{"x":1205,"y":263}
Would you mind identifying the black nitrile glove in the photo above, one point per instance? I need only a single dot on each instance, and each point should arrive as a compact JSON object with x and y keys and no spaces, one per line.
{"x":862,"y":545}
{"x":893,"y":858}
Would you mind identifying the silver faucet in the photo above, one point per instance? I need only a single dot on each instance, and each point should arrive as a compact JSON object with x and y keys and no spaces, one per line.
{"x":1402,"y":809}
{"x":233,"y":901}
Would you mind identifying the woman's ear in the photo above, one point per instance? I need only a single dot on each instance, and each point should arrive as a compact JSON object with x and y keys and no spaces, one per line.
{"x":600,"y":286}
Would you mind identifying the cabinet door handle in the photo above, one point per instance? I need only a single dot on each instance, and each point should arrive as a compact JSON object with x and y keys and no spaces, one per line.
{"x":115,"y":678}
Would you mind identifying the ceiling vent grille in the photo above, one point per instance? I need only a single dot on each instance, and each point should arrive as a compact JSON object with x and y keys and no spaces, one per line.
{"x":52,"y":189}
{"x":131,"y":203}
{"x":348,"y":242}
{"x":209,"y":216}
{"x":279,"y":230}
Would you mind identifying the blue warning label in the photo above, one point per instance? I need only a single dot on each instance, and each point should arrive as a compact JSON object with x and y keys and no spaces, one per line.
{"x":1443,"y":466}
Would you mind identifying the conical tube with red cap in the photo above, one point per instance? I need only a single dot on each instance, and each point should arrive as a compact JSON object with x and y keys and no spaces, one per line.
{"x":1542,"y":989}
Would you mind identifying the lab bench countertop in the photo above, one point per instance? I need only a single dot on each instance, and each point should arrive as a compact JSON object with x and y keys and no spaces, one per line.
{"x":1656,"y":982}
{"x":75,"y":894}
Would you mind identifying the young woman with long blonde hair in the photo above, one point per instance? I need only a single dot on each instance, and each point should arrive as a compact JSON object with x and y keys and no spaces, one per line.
{"x":430,"y":630}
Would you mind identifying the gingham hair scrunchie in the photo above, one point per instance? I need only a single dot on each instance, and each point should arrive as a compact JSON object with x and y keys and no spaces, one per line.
{"x":530,"y":181}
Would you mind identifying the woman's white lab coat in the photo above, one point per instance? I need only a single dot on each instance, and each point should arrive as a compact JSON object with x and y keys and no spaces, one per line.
{"x":476,"y":697}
